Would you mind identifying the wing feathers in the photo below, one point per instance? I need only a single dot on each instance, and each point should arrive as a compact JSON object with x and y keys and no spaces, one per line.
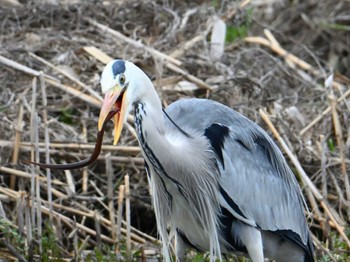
{"x":253,"y":172}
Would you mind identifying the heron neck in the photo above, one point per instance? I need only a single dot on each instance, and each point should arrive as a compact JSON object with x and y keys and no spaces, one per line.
{"x":165,"y":140}
{"x":149,"y":120}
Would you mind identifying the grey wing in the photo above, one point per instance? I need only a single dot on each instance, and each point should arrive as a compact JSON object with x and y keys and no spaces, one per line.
{"x":256,"y":183}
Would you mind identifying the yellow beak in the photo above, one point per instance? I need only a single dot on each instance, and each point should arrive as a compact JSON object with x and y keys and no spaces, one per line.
{"x":114,"y":99}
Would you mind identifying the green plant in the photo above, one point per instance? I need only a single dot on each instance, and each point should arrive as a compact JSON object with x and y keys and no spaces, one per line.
{"x":51,"y":250}
{"x":11,"y":234}
{"x":241,"y":30}
{"x":324,"y":258}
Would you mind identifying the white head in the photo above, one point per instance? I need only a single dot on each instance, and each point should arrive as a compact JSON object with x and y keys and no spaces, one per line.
{"x":123,"y":84}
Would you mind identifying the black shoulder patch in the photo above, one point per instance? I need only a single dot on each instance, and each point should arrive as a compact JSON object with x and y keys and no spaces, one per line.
{"x":216,"y":134}
{"x":118,"y":67}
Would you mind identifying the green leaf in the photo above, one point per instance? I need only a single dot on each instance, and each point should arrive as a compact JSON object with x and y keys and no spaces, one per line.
{"x":331,"y":145}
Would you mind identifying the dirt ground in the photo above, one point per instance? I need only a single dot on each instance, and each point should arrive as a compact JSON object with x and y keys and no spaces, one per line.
{"x":290,"y":59}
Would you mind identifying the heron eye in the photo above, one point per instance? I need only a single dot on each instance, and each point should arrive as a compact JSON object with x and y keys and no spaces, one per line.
{"x":122,"y":79}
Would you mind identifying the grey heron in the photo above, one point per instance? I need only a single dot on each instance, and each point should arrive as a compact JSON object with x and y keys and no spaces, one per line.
{"x":218,"y":181}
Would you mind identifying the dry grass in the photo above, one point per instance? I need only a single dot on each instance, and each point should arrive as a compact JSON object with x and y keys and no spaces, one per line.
{"x":292,"y":60}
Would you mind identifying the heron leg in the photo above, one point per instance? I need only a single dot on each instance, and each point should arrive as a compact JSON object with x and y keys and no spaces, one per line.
{"x":180,"y":248}
{"x":251,"y":238}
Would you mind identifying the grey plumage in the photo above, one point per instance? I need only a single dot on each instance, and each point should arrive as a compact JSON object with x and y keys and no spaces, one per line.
{"x":217,"y":179}
{"x":254,"y":173}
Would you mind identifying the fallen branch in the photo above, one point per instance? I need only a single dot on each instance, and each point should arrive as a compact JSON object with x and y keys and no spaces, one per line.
{"x":76,"y":93}
{"x":19,"y":173}
{"x":98,"y":54}
{"x":271,"y":42}
{"x":18,"y":66}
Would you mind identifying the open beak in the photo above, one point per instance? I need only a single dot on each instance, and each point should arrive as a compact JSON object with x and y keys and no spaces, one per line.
{"x":114,"y":100}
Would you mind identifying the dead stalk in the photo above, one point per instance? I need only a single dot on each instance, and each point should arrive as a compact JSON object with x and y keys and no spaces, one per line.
{"x":38,"y":212}
{"x":323,"y":166}
{"x":340,"y":141}
{"x":120,"y":210}
{"x":75,"y":93}
{"x":34,"y":119}
{"x":127,"y":214}
{"x":16,"y":144}
{"x":85,"y":169}
{"x":110,"y":187}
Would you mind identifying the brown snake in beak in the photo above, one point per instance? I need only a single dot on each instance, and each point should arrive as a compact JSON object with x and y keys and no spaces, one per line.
{"x":86,"y":161}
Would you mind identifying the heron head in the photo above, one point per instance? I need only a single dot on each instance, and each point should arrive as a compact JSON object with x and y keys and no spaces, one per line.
{"x":122,"y":83}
